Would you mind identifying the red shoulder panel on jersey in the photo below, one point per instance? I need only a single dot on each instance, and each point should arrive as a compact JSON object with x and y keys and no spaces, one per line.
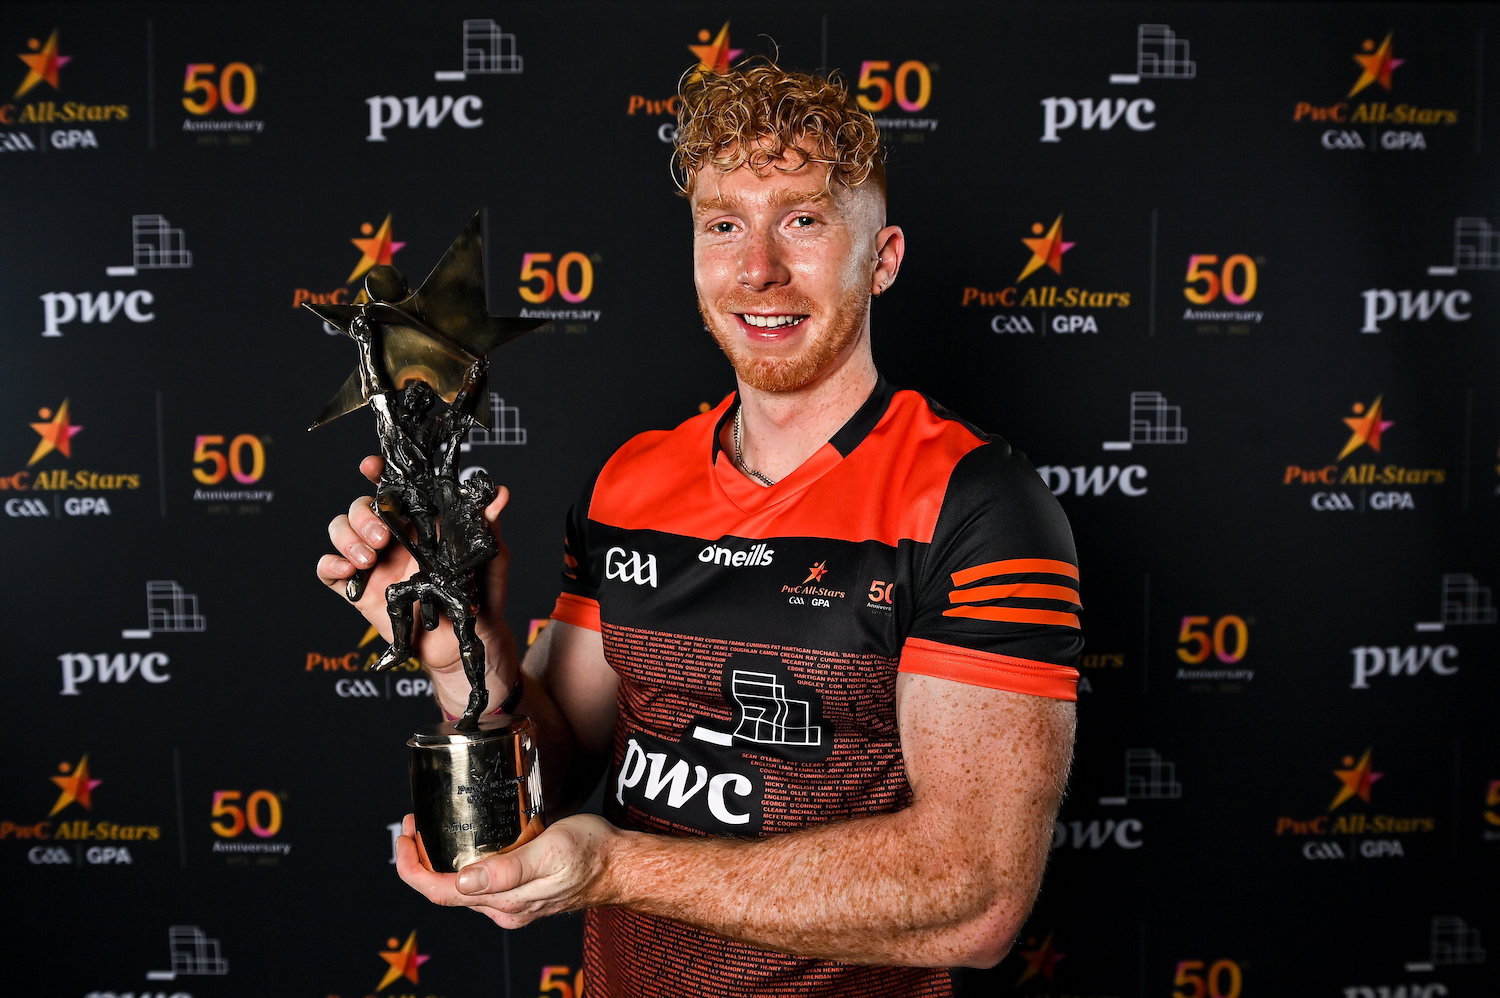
{"x":998,"y":672}
{"x":888,"y":489}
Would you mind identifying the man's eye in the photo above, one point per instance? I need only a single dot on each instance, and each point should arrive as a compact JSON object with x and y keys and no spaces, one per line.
{"x":803,"y":221}
{"x":721,"y":227}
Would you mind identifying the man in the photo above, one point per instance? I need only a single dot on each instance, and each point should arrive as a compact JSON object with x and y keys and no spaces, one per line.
{"x":819,"y":636}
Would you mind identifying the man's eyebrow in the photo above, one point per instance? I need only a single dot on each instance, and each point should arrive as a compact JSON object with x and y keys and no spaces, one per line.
{"x":813,"y":196}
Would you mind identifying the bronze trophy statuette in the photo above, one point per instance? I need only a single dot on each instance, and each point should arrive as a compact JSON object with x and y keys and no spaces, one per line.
{"x":475,"y":785}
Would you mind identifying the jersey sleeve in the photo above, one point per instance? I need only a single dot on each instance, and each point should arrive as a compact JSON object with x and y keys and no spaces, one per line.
{"x":578,"y":601}
{"x":997,"y":598}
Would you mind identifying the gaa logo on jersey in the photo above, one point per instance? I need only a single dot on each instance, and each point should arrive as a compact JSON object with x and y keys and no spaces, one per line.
{"x":630,"y":566}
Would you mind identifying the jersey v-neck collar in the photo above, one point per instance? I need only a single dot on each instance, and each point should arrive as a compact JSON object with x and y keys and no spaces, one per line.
{"x":750,"y":496}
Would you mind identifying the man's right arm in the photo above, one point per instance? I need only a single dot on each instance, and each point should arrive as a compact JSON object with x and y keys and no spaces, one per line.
{"x":569,"y":687}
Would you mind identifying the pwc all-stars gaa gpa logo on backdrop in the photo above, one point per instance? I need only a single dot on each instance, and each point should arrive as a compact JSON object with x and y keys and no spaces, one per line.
{"x":1051,"y":293}
{"x":1362,"y":475}
{"x":1375,"y":114}
{"x":44,"y":113}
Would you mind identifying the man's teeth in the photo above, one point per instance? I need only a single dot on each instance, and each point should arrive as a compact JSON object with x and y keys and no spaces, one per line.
{"x":771,"y":321}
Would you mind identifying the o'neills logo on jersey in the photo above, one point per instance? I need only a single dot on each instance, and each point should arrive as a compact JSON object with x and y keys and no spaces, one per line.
{"x":758,"y":554}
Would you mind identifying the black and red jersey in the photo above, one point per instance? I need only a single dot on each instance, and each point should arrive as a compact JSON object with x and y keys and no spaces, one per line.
{"x":758,"y":632}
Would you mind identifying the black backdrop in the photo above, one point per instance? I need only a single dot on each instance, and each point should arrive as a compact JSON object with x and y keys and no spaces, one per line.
{"x":1262,"y":381}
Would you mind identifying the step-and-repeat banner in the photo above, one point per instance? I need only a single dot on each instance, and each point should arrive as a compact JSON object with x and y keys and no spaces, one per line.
{"x":1229,"y":273}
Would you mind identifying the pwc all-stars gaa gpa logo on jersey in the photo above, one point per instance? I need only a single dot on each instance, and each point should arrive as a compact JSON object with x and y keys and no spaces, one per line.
{"x":1368,"y":117}
{"x":1047,"y":295}
{"x":1357,"y":479}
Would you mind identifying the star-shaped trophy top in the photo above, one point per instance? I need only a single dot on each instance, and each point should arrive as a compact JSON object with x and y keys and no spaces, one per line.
{"x":433,"y":334}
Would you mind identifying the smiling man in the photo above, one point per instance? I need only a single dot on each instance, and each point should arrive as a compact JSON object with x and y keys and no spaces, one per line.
{"x":818,"y":640}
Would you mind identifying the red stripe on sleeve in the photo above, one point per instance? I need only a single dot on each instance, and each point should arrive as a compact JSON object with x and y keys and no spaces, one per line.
{"x":997,"y":672}
{"x":577,"y":610}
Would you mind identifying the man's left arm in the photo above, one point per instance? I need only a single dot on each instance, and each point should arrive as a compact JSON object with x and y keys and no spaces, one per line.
{"x":947,"y":881}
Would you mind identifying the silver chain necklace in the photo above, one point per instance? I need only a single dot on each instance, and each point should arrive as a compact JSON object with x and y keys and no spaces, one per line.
{"x":739,"y":457}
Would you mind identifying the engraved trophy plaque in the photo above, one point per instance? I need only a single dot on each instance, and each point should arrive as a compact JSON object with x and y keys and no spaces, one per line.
{"x":423,"y":360}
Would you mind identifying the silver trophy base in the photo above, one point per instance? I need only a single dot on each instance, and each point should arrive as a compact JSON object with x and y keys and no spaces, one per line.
{"x":475,"y":793}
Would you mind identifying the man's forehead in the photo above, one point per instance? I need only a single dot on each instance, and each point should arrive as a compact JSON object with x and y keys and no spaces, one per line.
{"x":715,"y":191}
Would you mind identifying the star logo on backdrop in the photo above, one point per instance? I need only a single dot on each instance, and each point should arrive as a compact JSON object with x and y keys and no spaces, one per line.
{"x":1041,"y":960}
{"x":1046,"y":249}
{"x":42,"y":64}
{"x":57,"y":432}
{"x":433,"y":334}
{"x":714,"y":56}
{"x":377,"y":249}
{"x":816,"y":573}
{"x":404,"y":961}
{"x":77,"y":785}
{"x":1357,"y":778}
{"x":1378,"y":64}
{"x":1367,"y":425}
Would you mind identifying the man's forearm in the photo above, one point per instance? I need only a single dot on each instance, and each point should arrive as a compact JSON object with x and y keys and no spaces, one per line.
{"x":903,"y":888}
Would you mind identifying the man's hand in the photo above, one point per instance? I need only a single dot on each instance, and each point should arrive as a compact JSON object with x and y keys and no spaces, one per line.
{"x":563,"y":869}
{"x":362,"y":541}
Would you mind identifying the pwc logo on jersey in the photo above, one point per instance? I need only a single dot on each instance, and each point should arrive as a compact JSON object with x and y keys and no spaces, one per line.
{"x":630,"y":566}
{"x":709,"y":780}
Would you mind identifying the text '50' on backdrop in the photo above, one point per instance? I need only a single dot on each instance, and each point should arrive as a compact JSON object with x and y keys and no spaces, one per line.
{"x":1228,"y":273}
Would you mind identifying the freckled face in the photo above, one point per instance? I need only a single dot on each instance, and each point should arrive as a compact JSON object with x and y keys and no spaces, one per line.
{"x":783,"y":266}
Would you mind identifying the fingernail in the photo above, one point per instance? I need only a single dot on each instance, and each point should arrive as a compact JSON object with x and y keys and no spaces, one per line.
{"x":363,"y":557}
{"x":375,"y":533}
{"x":473,"y":880}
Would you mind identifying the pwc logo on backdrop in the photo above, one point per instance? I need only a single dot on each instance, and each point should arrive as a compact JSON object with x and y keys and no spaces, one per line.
{"x":484,"y":50}
{"x":1036,"y":302}
{"x":154,"y":245}
{"x":1352,"y":827}
{"x":1462,"y":602}
{"x":72,"y":833}
{"x":36,"y":117}
{"x":1356,"y":480}
{"x":1452,"y":944}
{"x":714,"y":53}
{"x":1372,"y":122}
{"x":1147,"y":777}
{"x":1153,"y":421}
{"x":1159,"y":55}
{"x":1476,"y":247}
{"x":49,"y":486}
{"x":170,"y":609}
